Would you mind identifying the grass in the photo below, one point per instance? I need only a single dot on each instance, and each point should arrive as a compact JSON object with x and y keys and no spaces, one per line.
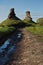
{"x":8,"y":22}
{"x":5,"y":30}
{"x":29,"y":22}
{"x":40,"y":21}
{"x":7,"y":27}
{"x":35,"y":28}
{"x":37,"y":31}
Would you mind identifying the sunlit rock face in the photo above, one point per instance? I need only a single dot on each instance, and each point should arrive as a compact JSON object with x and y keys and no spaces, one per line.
{"x":28,"y":16}
{"x":28,"y":20}
{"x":11,"y":14}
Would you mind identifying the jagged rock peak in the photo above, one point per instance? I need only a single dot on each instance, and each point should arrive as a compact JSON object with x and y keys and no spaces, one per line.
{"x":11,"y":14}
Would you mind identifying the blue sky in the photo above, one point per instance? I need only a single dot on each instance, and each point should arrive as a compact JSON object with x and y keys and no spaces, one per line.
{"x":21,"y":6}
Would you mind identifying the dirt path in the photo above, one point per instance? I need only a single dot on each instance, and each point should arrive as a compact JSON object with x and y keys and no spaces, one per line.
{"x":28,"y":51}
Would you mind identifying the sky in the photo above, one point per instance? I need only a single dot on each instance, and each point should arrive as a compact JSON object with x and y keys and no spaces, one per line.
{"x":21,"y":6}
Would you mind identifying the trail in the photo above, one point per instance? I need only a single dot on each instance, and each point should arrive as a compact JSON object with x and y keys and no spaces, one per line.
{"x":29,"y":51}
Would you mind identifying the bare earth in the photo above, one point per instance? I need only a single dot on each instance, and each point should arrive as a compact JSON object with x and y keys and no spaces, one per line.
{"x":29,"y":51}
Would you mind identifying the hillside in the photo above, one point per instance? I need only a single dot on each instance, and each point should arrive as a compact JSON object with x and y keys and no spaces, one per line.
{"x":10,"y":22}
{"x":23,"y":41}
{"x":8,"y":26}
{"x":28,"y":20}
{"x":40,"y":21}
{"x":36,"y":28}
{"x":13,"y":23}
{"x":12,"y":19}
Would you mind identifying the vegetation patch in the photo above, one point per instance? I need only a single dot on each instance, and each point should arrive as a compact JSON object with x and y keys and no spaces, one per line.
{"x":9,"y":22}
{"x":40,"y":21}
{"x":37,"y":30}
{"x":4,"y":32}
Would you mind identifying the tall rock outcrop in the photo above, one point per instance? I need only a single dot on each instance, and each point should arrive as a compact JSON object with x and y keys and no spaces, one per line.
{"x":11,"y":14}
{"x":12,"y":19}
{"x":28,"y":16}
{"x":28,"y":20}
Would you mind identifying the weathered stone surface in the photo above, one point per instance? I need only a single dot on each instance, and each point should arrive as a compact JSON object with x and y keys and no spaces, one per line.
{"x":11,"y":14}
{"x":28,"y":16}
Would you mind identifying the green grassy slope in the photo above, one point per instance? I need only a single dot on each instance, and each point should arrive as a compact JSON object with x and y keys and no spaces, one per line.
{"x":37,"y":29}
{"x":29,"y":22}
{"x":11,"y":21}
{"x":40,"y":21}
{"x":5,"y":32}
{"x":8,"y":26}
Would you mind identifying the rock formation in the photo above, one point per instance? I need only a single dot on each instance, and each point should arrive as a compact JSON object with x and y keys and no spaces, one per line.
{"x":11,"y":14}
{"x":28,"y":16}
